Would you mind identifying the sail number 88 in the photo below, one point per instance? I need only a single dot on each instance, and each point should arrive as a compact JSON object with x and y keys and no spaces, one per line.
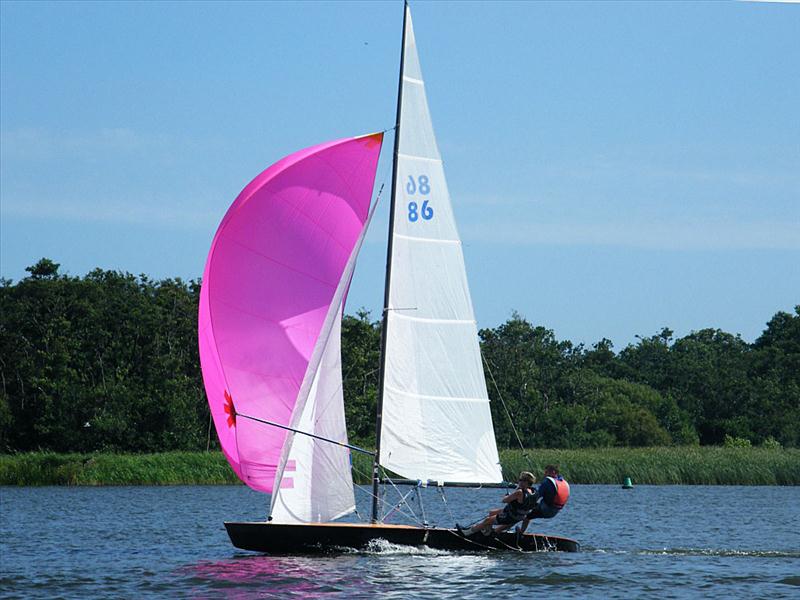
{"x":422,"y":186}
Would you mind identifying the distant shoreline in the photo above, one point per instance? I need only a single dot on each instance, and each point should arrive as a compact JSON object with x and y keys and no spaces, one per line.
{"x":686,"y":465}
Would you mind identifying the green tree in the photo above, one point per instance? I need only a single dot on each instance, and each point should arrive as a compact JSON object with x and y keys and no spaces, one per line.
{"x":361,"y":346}
{"x":109,"y":361}
{"x":775,"y":375}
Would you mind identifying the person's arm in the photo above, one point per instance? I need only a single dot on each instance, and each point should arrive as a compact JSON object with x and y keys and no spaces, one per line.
{"x":515,"y":495}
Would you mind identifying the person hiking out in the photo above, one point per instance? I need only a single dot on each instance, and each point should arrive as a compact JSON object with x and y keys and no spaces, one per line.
{"x":551,"y":497}
{"x":518,"y":504}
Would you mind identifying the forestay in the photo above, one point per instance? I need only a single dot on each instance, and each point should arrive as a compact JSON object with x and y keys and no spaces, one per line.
{"x":436,"y":420}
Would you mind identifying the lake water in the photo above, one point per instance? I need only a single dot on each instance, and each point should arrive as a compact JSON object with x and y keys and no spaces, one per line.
{"x":666,"y":542}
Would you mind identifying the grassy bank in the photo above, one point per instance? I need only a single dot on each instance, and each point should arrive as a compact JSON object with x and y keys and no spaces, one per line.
{"x":680,"y":465}
{"x":707,"y":465}
{"x":168,"y":468}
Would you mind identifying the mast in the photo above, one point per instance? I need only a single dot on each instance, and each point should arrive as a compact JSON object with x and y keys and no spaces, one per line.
{"x":387,"y":283}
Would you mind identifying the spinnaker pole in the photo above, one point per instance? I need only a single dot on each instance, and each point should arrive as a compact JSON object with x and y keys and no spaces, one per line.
{"x":387,"y":284}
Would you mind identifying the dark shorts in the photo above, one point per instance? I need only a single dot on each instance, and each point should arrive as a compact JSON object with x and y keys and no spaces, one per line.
{"x":505,"y":518}
{"x":542,"y":511}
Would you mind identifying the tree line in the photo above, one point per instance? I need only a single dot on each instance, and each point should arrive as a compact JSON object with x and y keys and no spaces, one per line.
{"x":109,"y":361}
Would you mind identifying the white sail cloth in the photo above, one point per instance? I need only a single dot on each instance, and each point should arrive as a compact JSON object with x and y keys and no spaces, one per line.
{"x":436,"y":420}
{"x":316,"y":483}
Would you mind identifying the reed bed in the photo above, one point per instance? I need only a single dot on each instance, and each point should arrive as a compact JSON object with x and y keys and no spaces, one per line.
{"x":663,"y":466}
{"x":706,"y":465}
{"x":167,"y":468}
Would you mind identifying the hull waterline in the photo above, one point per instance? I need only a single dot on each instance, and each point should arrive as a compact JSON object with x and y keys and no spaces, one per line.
{"x":276,"y":538}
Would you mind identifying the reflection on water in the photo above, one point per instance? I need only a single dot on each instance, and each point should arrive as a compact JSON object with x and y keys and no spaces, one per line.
{"x":385,"y":568}
{"x":170,"y":541}
{"x":302,"y":576}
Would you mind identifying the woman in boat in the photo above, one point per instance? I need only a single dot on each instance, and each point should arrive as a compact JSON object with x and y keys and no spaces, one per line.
{"x":518,"y":504}
{"x":551,"y":496}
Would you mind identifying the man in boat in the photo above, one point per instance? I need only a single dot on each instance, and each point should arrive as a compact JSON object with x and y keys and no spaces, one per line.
{"x":551,"y":497}
{"x":518,"y":504}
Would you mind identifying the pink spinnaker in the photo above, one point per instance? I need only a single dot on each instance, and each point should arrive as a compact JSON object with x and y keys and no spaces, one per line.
{"x":269,"y":280}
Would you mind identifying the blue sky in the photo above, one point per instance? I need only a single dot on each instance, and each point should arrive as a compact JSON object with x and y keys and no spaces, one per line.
{"x":614,"y":168}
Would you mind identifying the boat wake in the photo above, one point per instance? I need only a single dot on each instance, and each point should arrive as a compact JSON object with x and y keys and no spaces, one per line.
{"x":386,"y":548}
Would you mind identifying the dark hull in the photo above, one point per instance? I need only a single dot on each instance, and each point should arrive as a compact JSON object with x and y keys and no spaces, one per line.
{"x":275,"y":538}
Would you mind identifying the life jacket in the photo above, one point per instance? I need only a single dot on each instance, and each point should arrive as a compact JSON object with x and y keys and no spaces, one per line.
{"x":562,"y":492}
{"x":519,"y":508}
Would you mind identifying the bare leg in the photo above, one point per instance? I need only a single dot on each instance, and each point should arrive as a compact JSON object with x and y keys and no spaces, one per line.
{"x":487,"y":522}
{"x":484,"y":525}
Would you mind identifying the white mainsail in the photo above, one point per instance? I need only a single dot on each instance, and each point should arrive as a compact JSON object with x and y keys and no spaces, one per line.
{"x":436,"y":422}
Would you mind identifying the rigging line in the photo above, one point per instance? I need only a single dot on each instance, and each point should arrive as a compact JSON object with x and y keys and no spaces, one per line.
{"x":388,"y":278}
{"x":444,"y":501}
{"x":400,"y":503}
{"x":367,"y":476}
{"x":396,"y":489}
{"x":413,"y":515}
{"x":410,"y":517}
{"x":503,"y":402}
{"x":495,"y":535}
{"x":466,"y":539}
{"x":397,"y":510}
{"x":317,"y":437}
{"x":363,"y":488}
{"x":383,"y":181}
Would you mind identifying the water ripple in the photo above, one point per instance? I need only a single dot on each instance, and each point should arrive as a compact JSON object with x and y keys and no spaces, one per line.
{"x":722,"y":552}
{"x":556,"y":579}
{"x":170,"y":542}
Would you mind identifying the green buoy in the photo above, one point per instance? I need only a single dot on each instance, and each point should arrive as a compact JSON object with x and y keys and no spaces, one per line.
{"x":628,"y":485}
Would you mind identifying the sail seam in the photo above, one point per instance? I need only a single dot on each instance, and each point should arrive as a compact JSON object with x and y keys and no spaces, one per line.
{"x":431,"y":397}
{"x":431,"y":320}
{"x":424,"y":239}
{"x":417,"y":157}
{"x":413,"y":80}
{"x":279,"y":263}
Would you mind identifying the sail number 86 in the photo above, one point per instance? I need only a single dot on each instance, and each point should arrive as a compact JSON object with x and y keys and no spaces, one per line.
{"x":423,"y":187}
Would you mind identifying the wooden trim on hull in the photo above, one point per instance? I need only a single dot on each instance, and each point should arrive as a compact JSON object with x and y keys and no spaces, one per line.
{"x":306,"y":538}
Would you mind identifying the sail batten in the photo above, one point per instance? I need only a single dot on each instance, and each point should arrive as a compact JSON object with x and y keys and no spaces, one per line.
{"x":436,"y":423}
{"x":414,"y":238}
{"x":434,"y":398}
{"x":400,"y":315}
{"x":428,"y":158}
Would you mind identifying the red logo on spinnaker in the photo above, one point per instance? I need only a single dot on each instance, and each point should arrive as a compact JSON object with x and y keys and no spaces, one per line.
{"x":229,"y":409}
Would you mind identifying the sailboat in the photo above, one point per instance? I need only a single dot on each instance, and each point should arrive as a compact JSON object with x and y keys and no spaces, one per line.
{"x":271,"y":306}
